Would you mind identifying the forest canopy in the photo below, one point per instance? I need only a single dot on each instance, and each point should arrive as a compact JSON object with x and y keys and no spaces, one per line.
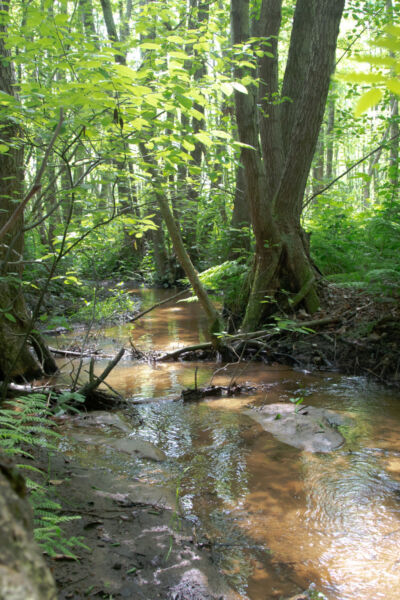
{"x":255,"y":143}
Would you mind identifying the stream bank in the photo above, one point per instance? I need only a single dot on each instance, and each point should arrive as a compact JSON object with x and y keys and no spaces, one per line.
{"x":269,"y":517}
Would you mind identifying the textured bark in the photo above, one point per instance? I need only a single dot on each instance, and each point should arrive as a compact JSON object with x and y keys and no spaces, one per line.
{"x":318,"y":168}
{"x":394,"y":146}
{"x":23,"y":572}
{"x":111,"y":29}
{"x":16,"y":359}
{"x":287,"y":126}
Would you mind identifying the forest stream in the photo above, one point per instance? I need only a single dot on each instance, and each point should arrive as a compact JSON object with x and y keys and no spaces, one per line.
{"x":272,"y":518}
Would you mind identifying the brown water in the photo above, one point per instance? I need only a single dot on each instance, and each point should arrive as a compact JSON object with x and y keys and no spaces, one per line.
{"x":275,"y":518}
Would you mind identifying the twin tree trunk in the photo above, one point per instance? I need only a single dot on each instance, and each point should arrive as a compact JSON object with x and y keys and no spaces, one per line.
{"x":281,"y":124}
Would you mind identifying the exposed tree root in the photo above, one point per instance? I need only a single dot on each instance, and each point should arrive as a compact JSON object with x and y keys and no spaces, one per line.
{"x":94,"y":398}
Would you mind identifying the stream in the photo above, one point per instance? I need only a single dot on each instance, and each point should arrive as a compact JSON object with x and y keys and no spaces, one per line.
{"x":275,"y":518}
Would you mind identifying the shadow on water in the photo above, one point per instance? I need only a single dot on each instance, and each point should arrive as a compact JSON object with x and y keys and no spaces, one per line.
{"x":274,"y":518}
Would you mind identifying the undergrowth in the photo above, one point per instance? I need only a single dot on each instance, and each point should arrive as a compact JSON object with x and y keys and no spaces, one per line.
{"x":24,"y":425}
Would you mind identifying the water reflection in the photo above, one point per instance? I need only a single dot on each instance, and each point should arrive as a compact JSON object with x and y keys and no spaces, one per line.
{"x":275,"y":518}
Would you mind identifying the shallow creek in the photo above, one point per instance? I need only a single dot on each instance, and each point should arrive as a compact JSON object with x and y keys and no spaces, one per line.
{"x":274,"y":518}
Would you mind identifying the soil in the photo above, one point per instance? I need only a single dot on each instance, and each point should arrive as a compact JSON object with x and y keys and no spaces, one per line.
{"x":137,"y":545}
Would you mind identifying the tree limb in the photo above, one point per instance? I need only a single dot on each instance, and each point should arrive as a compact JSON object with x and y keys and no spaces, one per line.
{"x":310,"y":198}
{"x":144,"y":312}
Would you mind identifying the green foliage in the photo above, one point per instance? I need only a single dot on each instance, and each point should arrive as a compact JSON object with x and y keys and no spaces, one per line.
{"x":389,"y":41}
{"x":224,"y":280}
{"x":358,"y":248}
{"x":24,"y":424}
{"x":118,"y":306}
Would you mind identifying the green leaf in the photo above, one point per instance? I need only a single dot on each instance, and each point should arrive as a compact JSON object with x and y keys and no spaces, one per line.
{"x":184,"y":101}
{"x":367,"y":101}
{"x":220,"y":134}
{"x":4,"y":148}
{"x":394,"y":86}
{"x":203,"y":138}
{"x":239,"y":87}
{"x":227,"y":88}
{"x":10,"y":317}
{"x":149,"y":46}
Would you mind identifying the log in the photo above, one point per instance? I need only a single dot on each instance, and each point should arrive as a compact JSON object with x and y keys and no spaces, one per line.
{"x":23,"y":572}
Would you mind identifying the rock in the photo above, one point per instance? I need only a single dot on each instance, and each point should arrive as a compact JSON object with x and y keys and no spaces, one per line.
{"x":130,"y":445}
{"x":139,"y":447}
{"x":23,"y":572}
{"x":111,"y":419}
{"x":305,"y":427}
{"x":310,"y":594}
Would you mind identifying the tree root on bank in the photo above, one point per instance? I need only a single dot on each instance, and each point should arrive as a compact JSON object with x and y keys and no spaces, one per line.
{"x":231,"y":343}
{"x":94,"y":398}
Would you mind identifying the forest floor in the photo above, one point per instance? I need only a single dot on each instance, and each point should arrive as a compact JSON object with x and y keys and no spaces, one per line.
{"x":362,"y":339}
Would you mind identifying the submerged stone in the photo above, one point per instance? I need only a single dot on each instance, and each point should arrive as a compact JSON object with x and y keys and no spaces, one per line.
{"x":139,"y":447}
{"x":304,"y":427}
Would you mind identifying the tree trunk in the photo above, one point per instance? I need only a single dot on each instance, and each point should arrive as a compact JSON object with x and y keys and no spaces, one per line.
{"x":16,"y":359}
{"x":277,"y":173}
{"x":23,"y":571}
{"x":318,"y":169}
{"x":187,"y":265}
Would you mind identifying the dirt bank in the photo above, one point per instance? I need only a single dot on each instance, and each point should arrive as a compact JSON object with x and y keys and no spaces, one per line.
{"x":137,"y":544}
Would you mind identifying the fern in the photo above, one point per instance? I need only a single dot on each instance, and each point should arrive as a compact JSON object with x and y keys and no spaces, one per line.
{"x":24,"y":424}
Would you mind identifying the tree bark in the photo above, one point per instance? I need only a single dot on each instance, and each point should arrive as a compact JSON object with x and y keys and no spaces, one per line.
{"x":16,"y":359}
{"x":187,"y":265}
{"x":276,"y":173}
{"x":23,"y":572}
{"x":329,"y":173}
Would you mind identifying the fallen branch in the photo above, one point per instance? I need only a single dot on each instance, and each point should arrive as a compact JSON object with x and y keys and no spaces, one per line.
{"x":144,"y":312}
{"x":90,"y":387}
{"x":78,"y":354}
{"x":251,"y":336}
{"x":176,"y":353}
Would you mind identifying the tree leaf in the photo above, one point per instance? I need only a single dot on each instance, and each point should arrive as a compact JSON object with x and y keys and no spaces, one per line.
{"x":367,"y":101}
{"x":394,"y":86}
{"x":10,"y":317}
{"x":239,"y":87}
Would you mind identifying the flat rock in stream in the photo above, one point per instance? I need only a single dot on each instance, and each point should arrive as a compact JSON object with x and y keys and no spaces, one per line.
{"x":139,"y":447}
{"x":305,"y":427}
{"x":135,"y":446}
{"x":101,"y":418}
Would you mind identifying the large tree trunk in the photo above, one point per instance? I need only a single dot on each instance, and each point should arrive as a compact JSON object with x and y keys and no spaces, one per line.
{"x":16,"y":358}
{"x":23,"y":572}
{"x":277,"y":172}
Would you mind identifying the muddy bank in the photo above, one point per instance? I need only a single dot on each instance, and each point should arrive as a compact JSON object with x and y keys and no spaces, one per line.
{"x":138,"y":546}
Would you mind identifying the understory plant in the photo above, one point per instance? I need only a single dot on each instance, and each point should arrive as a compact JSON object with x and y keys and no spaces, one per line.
{"x":24,"y":425}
